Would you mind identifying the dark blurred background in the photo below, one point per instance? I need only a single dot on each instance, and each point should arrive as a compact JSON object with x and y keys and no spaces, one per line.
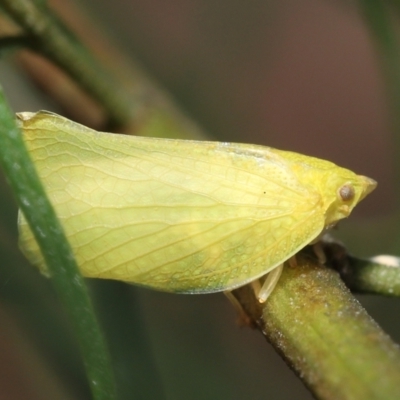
{"x":295,"y":75}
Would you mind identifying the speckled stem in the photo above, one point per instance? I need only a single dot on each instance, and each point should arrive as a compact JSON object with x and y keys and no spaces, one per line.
{"x":325,"y":335}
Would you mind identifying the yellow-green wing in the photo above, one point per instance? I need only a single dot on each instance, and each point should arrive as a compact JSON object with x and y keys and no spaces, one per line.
{"x":180,"y":216}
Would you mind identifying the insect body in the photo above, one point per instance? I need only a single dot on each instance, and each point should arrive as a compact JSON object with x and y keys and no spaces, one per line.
{"x":181,"y":216}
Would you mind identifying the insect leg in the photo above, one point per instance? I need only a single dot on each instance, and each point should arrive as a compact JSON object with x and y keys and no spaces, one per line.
{"x":319,"y":252}
{"x":256,"y":285}
{"x":243,"y":319}
{"x":292,"y":262}
{"x":269,"y":283}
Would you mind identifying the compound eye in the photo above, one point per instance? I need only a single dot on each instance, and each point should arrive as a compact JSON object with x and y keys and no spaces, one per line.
{"x":347,"y":192}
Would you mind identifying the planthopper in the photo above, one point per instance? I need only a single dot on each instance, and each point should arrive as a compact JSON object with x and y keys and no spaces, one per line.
{"x":179,"y":215}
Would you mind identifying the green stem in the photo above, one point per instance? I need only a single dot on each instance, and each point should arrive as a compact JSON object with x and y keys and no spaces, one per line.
{"x":325,"y":335}
{"x":48,"y":232}
{"x":365,"y":276}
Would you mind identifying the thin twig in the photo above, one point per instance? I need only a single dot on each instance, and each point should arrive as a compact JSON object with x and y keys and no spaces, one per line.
{"x":376,"y":276}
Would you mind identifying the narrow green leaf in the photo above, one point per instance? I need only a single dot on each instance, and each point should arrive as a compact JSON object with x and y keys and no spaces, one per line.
{"x":48,"y":232}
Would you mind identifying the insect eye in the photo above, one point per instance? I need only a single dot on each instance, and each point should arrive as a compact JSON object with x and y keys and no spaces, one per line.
{"x":347,"y":192}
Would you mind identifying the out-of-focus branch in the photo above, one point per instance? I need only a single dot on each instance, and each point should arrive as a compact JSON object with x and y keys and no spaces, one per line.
{"x":130,"y":101}
{"x":325,"y":335}
{"x":60,"y":46}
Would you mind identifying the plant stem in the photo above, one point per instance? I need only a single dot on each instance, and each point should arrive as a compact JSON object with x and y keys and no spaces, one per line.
{"x":325,"y":335}
{"x":380,"y":276}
